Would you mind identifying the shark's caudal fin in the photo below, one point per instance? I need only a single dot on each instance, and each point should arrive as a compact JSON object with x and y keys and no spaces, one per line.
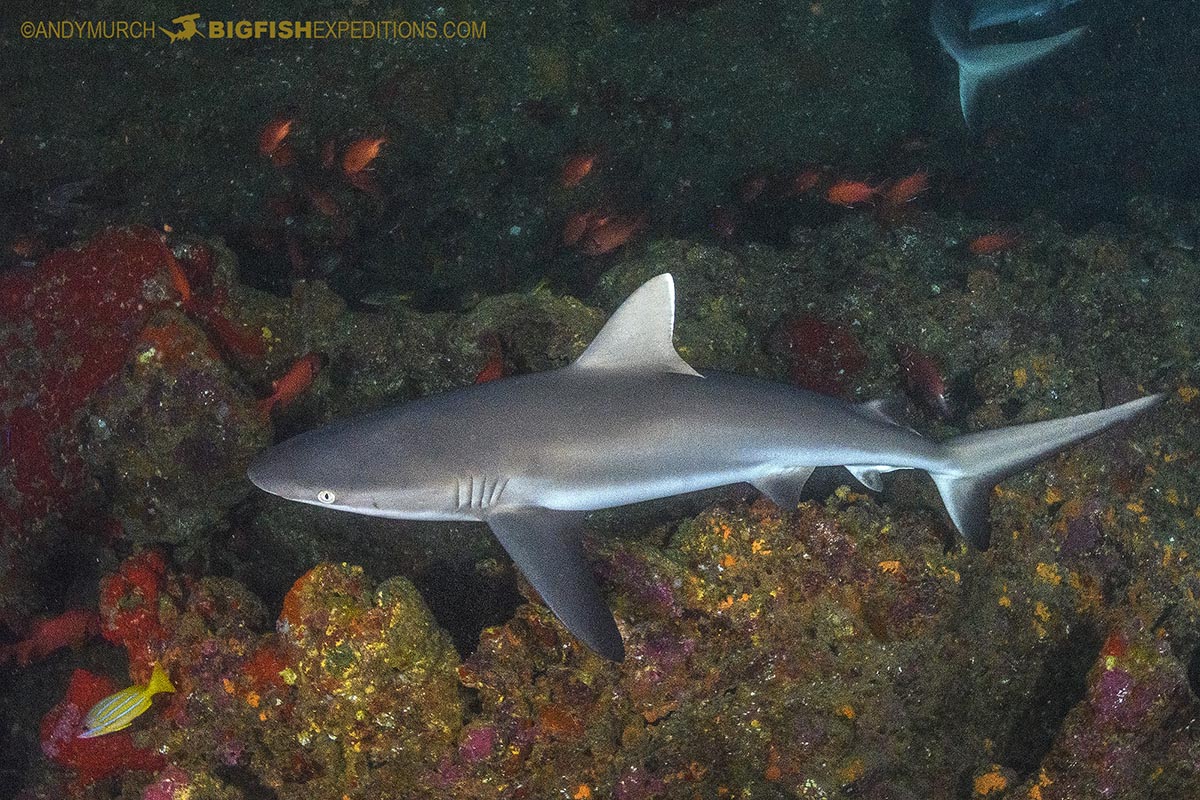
{"x":978,"y":64}
{"x":978,"y":461}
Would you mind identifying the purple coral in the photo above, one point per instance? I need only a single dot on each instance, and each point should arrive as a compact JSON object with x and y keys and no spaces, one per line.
{"x":170,"y":785}
{"x":477,"y":744}
{"x":1119,"y":700}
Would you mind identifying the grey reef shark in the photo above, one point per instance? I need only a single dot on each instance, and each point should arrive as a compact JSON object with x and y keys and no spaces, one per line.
{"x":630,"y":421}
{"x":957,"y":27}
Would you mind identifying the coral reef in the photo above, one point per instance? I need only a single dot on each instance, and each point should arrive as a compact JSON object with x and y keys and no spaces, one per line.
{"x":845,"y":647}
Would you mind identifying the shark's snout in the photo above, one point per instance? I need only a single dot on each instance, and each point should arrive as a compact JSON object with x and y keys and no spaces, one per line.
{"x":269,"y":472}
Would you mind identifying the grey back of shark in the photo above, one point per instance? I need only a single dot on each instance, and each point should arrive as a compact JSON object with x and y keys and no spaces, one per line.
{"x":979,"y":64}
{"x":629,"y":421}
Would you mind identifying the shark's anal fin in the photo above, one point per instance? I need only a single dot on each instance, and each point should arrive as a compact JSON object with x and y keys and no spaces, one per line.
{"x":639,"y":334}
{"x":784,"y":488}
{"x":546,"y":546}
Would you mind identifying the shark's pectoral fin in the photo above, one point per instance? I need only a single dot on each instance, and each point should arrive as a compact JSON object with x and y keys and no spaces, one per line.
{"x":546,"y":546}
{"x":784,"y":488}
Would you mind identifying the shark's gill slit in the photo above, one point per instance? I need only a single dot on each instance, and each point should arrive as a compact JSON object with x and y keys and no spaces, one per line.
{"x":497,"y":490}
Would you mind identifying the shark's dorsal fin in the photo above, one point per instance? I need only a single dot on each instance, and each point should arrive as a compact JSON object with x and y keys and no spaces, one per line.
{"x":638,"y":336}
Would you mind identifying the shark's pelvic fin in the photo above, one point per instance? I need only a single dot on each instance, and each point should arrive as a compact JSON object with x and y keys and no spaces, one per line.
{"x":784,"y":488}
{"x":638,"y":336}
{"x":978,"y":64}
{"x":978,"y":461}
{"x":870,"y":477}
{"x":546,"y":546}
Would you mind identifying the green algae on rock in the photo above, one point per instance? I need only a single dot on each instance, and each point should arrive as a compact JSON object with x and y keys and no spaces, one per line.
{"x":376,"y":680}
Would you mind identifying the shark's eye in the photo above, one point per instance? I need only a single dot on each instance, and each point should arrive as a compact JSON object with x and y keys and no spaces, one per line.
{"x":326,"y":496}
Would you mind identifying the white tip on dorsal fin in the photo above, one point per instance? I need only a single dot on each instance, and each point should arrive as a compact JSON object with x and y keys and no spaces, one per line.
{"x":638,"y":334}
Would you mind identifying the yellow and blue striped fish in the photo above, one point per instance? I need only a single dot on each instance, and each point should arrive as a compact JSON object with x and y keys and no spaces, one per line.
{"x":118,"y":711}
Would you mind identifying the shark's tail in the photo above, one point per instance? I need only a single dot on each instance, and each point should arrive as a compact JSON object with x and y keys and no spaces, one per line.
{"x":978,"y":64}
{"x":978,"y":461}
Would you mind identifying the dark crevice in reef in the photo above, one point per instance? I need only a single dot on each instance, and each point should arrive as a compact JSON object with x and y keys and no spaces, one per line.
{"x":1193,"y":671}
{"x":246,"y":782}
{"x":1061,"y":684}
{"x":464,"y":601}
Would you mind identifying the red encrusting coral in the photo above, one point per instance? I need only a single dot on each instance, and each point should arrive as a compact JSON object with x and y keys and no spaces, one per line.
{"x":265,"y":665}
{"x":95,"y":758}
{"x":67,"y":327}
{"x":72,"y":320}
{"x":131,"y":605}
{"x":825,"y":356}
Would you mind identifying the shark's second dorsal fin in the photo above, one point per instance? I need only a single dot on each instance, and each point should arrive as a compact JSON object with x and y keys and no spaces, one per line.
{"x":638,"y":336}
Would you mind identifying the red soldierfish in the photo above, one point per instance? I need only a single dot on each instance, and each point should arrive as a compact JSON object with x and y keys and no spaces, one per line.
{"x":293,"y":383}
{"x":923,"y":379}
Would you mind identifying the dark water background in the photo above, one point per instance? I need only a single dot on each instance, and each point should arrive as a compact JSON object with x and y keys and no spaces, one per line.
{"x":682,"y":102}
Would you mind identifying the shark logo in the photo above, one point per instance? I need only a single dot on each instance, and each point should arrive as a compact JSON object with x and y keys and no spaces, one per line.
{"x":187,"y":28}
{"x":631,"y":421}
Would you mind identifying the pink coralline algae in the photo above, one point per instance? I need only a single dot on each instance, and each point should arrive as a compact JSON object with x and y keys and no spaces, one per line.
{"x":1110,"y":745}
{"x":1120,"y":701}
{"x":477,"y":744}
{"x":171,"y":784}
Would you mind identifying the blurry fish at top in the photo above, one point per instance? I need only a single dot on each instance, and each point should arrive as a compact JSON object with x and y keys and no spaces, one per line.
{"x":981,"y":63}
{"x":118,"y":711}
{"x":906,"y":189}
{"x":990,"y":13}
{"x":597,"y":232}
{"x":360,"y":153}
{"x":991,"y":244}
{"x":273,"y":133}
